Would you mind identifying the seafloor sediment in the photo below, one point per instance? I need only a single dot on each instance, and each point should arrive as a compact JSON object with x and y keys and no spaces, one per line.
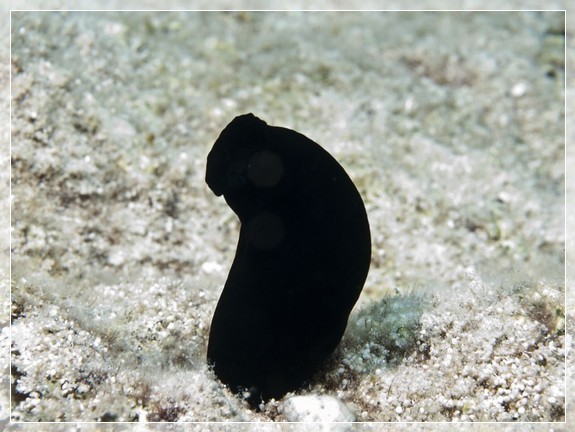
{"x":450,"y":124}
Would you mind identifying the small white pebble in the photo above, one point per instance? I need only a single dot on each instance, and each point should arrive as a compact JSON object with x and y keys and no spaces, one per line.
{"x":409,"y":103}
{"x":519,"y":89}
{"x":229,"y":103}
{"x":316,"y":409}
{"x":210,"y":267}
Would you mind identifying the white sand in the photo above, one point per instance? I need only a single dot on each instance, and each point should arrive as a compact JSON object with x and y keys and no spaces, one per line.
{"x":450,"y":124}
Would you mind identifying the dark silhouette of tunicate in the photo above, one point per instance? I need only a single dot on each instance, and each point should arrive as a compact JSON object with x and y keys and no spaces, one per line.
{"x":301,"y":261}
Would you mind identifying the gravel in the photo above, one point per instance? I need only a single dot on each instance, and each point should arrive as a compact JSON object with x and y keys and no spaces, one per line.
{"x":451,"y":126}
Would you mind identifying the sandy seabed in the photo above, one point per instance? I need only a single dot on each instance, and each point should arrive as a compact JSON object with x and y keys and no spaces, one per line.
{"x":450,"y":124}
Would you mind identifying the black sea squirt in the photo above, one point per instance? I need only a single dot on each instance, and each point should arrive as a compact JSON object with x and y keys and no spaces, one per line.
{"x":301,"y":259}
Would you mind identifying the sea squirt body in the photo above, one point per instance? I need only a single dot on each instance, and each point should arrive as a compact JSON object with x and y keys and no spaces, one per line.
{"x":301,"y":261}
